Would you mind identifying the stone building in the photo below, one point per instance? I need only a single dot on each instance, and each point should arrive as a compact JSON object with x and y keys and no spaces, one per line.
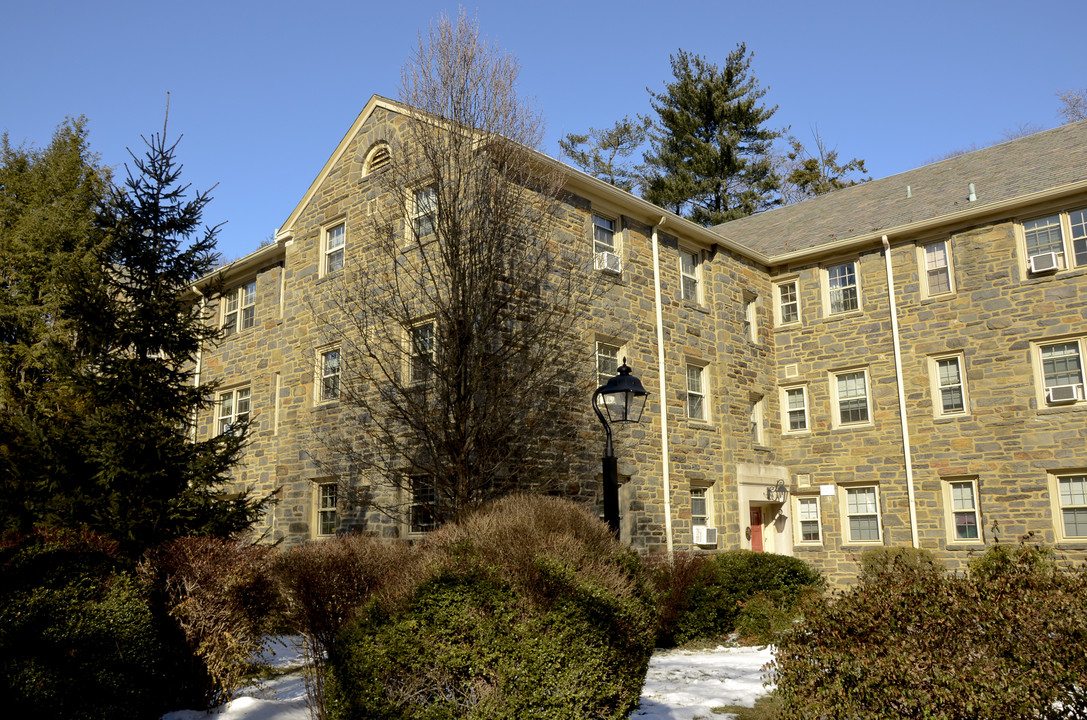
{"x":896,"y":363}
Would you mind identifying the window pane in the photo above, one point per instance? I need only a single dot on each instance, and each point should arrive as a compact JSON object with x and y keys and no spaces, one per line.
{"x":1073,"y":490}
{"x":852,"y":398}
{"x":1043,"y":235}
{"x":843,"y":287}
{"x":864,"y":528}
{"x":809,"y":530}
{"x":861,"y":500}
{"x":689,"y":271}
{"x":1079,"y":235}
{"x":698,"y":506}
{"x":966,"y":526}
{"x":1075,"y":522}
{"x":607,"y":362}
{"x":787,"y":301}
{"x":797,"y":411}
{"x":603,"y":234}
{"x":1061,"y":364}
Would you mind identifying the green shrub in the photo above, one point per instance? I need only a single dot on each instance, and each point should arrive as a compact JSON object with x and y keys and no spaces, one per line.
{"x":707,"y":596}
{"x":529,"y":609}
{"x":1006,"y":642}
{"x":77,"y":636}
{"x":880,"y":561}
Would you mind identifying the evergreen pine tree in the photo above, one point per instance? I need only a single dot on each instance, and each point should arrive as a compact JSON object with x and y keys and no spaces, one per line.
{"x":100,"y":339}
{"x":711,"y":149}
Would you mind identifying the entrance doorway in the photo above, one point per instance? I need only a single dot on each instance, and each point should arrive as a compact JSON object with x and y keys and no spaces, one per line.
{"x":756,"y":529}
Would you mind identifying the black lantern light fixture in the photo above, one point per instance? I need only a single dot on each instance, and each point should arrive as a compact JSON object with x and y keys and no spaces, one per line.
{"x":623,"y":400}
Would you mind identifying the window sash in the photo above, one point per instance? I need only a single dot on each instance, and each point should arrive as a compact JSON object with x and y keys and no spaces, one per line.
{"x":1078,"y":225}
{"x":424,"y":505}
{"x":862,"y":510}
{"x":422,"y":352}
{"x":808,"y":514}
{"x":326,"y":509}
{"x":1062,"y":364}
{"x":788,"y":302}
{"x":796,"y":406}
{"x":964,"y":511}
{"x":603,"y":234}
{"x":233,"y":409}
{"x":1072,"y":492}
{"x":1043,"y":236}
{"x":689,"y":272}
{"x":607,"y":362}
{"x":424,"y":211}
{"x":330,"y":375}
{"x":247,"y":300}
{"x":937,"y":268}
{"x":852,"y":398}
{"x":699,"y":515}
{"x":695,"y":393}
{"x":842,"y":282}
{"x":335,"y":238}
{"x":950,"y":385}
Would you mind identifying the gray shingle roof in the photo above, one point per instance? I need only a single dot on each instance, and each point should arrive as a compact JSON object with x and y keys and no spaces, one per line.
{"x":1000,"y":173}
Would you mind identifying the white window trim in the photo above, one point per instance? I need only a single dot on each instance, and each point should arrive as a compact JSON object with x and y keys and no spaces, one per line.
{"x":836,"y":415}
{"x":319,"y":376}
{"x":798,"y":533}
{"x":778,"y":285}
{"x":786,"y":428}
{"x":843,"y":509}
{"x":1067,"y":257}
{"x":697,"y":276}
{"x":235,"y":396}
{"x":707,"y":493}
{"x":826,"y":290}
{"x":328,"y":252}
{"x":758,"y":422}
{"x":935,"y":389}
{"x":616,"y":231}
{"x":319,"y":511}
{"x":415,"y":214}
{"x":411,"y":505}
{"x":923,"y":272}
{"x":1054,"y":479}
{"x":950,"y":511}
{"x":751,"y":317}
{"x":704,"y":394}
{"x":241,"y":302}
{"x":1042,"y":394}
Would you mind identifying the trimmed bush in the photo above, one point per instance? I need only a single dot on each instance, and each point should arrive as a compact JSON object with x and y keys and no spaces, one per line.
{"x":709,"y":596}
{"x":528,"y":609}
{"x":879,"y":561}
{"x":77,"y":636}
{"x":1004,"y":641}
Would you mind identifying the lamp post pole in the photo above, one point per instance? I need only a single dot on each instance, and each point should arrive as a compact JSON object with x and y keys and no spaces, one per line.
{"x":623,"y":399}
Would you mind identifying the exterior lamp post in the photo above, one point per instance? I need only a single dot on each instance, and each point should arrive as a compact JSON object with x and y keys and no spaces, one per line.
{"x":623,"y":399}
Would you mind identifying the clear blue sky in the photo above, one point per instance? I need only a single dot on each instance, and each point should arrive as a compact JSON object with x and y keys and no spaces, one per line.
{"x":264,"y":91}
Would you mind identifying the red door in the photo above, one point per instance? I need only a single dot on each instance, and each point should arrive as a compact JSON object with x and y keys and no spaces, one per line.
{"x":756,"y":529}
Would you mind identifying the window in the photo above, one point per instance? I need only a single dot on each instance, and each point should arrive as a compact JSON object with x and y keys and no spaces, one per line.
{"x":948,"y":385}
{"x":690,"y":270}
{"x":696,"y":392}
{"x":1062,"y":372}
{"x":843,"y":291}
{"x":239,"y":308}
{"x":1072,"y":499}
{"x":756,"y":422}
{"x":961,"y":497}
{"x":421,"y":353}
{"x":862,"y":514}
{"x":807,"y":520}
{"x":326,"y":509}
{"x":603,"y":234}
{"x":751,"y":317}
{"x":852,"y":391}
{"x":699,"y":507}
{"x":795,"y":406}
{"x":607,"y":361}
{"x":1063,"y":234}
{"x":424,"y":211}
{"x":328,"y":387}
{"x":788,"y":302}
{"x":937,"y":276}
{"x":423,"y":511}
{"x":378,"y":159}
{"x":334,"y":245}
{"x":233,"y":409}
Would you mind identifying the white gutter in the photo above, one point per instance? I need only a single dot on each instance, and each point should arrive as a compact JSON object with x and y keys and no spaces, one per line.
{"x":901,"y":394}
{"x":665,"y":459}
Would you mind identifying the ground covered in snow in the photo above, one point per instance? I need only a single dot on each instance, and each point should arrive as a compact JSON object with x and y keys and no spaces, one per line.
{"x":680,"y":685}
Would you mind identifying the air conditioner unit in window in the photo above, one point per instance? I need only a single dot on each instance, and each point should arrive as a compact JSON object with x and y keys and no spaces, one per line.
{"x":705,"y":535}
{"x":1046,"y":262}
{"x":1063,"y":394}
{"x":609,"y":262}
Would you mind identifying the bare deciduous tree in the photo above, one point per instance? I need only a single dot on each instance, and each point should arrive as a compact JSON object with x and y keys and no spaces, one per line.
{"x":1073,"y":105}
{"x":460,"y":326}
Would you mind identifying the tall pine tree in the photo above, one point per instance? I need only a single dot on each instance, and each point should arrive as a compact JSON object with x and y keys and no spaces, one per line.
{"x":100,"y":339}
{"x":711,"y":158}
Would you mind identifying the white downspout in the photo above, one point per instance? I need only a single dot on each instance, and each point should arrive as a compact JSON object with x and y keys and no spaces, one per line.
{"x":901,"y":394}
{"x":665,"y":460}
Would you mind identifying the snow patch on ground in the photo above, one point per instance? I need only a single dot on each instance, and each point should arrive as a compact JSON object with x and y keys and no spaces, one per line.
{"x":680,"y":685}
